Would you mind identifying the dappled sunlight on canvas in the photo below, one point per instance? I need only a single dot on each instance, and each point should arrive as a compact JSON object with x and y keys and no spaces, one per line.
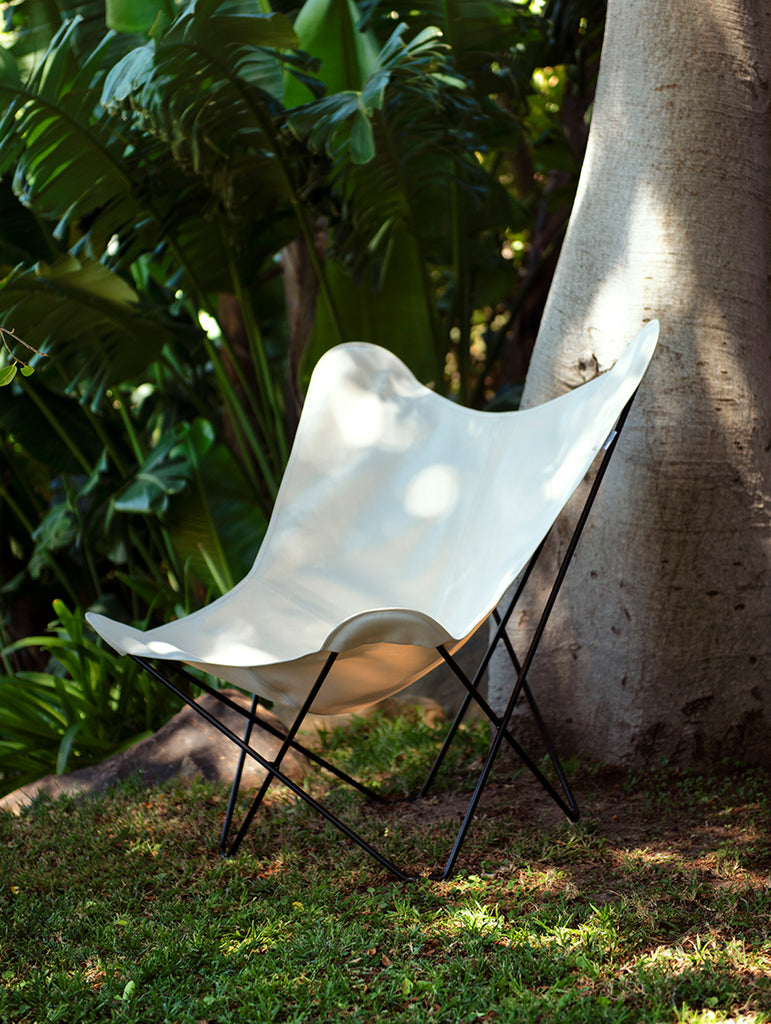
{"x":361,"y":420}
{"x":433,"y":492}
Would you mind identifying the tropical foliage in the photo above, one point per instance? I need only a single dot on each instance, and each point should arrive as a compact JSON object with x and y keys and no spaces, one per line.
{"x":82,"y":708}
{"x":197,"y":199}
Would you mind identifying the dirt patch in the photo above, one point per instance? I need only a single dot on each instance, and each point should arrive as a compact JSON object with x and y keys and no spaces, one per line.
{"x":722,"y":836}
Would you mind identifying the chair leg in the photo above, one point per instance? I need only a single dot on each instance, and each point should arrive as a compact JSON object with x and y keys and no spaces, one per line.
{"x":568,"y":803}
{"x":473,"y":687}
{"x":237,"y":778}
{"x":273,"y":768}
{"x":276,"y":763}
{"x":274,"y":771}
{"x":521,"y":685}
{"x":501,"y":733}
{"x":572,"y":809}
{"x":569,"y":806}
{"x":279,"y":733}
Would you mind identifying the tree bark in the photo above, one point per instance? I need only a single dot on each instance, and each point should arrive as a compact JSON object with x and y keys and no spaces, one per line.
{"x":660,"y":643}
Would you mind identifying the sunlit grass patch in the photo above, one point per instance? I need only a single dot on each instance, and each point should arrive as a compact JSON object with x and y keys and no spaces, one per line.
{"x":394,"y":753}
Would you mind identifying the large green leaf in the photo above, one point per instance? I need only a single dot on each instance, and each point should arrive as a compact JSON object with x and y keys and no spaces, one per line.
{"x":340,"y":123}
{"x":421,"y":209}
{"x":131,"y":73}
{"x":94,"y":165}
{"x":22,"y":238}
{"x":34,"y":23}
{"x":329,"y":30}
{"x":394,"y":311}
{"x":41,"y":433}
{"x":216,"y":526}
{"x":67,"y":162}
{"x":138,"y":15}
{"x":166,"y":471}
{"x":9,"y":70}
{"x":75,"y":163}
{"x":394,"y":203}
{"x":58,"y":530}
{"x":412,"y":106}
{"x":89,"y":317}
{"x":210,"y":90}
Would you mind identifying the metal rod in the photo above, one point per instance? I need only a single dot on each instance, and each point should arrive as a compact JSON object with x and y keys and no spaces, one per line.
{"x":568,"y":805}
{"x":522,"y":676}
{"x":571,"y":808}
{"x":237,"y":779}
{"x":499,"y":632}
{"x":280,"y":734}
{"x":290,"y":784}
{"x":299,"y":718}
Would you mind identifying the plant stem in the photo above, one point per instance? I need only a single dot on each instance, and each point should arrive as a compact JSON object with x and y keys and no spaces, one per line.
{"x":228,"y":577}
{"x":136,"y":447}
{"x":462,"y":288}
{"x":261,"y":369}
{"x":247,"y":441}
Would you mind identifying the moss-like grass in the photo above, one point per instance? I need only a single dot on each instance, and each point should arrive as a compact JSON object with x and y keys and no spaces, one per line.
{"x":655,"y":908}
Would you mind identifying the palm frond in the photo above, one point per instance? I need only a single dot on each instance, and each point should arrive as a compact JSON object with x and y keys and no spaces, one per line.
{"x":211,"y":89}
{"x":341,"y":124}
{"x":470,"y":26}
{"x":329,"y":30}
{"x":24,"y":238}
{"x":83,"y":166}
{"x":56,"y":142}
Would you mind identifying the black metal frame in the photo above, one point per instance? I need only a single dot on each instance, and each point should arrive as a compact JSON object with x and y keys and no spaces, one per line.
{"x":565,"y":800}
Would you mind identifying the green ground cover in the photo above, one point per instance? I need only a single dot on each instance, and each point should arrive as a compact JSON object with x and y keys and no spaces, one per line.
{"x":655,"y":908}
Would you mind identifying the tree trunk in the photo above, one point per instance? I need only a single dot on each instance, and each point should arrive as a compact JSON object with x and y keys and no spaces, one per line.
{"x":660,"y":643}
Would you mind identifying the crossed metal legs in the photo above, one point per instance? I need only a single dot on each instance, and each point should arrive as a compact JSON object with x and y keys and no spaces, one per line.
{"x":289,"y":742}
{"x":565,"y":800}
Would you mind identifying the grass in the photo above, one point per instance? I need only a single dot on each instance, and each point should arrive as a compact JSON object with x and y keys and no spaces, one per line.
{"x":655,"y":909}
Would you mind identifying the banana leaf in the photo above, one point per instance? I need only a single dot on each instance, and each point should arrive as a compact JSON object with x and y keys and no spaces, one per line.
{"x":91,"y":318}
{"x":329,"y":29}
{"x":138,"y":15}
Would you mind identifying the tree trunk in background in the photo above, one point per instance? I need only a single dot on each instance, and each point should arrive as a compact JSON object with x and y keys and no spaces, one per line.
{"x":660,"y":643}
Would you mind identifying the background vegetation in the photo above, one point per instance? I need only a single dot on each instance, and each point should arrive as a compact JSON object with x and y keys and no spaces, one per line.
{"x":197,"y":199}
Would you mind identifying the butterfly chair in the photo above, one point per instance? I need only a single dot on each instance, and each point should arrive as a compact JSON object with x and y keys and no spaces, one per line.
{"x":401,"y":522}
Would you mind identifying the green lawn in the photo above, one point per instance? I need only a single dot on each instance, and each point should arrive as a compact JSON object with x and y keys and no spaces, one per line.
{"x":655,"y":908}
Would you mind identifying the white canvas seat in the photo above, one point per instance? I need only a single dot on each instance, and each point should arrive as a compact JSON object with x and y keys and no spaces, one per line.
{"x":401,"y":521}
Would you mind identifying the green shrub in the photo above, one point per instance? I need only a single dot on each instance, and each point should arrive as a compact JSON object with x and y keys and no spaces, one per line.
{"x":87,"y":704}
